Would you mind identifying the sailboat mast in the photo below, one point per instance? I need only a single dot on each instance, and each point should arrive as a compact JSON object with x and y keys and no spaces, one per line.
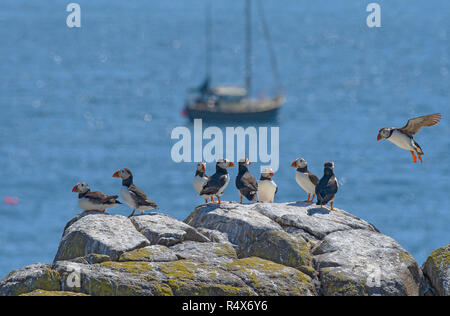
{"x":208,"y":27}
{"x":248,"y":50}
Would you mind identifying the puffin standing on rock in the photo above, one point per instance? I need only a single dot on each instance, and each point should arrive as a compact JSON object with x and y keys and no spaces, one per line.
{"x":403,"y":137}
{"x":217,"y":183}
{"x":94,"y":201}
{"x":305,"y":179}
{"x":267,"y":188}
{"x":132,"y":195}
{"x":246,"y":182}
{"x":200,"y":179}
{"x":327,"y":187}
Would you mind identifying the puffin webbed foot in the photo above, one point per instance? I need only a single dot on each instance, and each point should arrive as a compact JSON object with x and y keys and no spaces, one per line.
{"x":414,"y":157}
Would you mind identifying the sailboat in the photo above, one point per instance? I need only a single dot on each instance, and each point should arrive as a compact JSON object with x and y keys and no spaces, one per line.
{"x":233,"y":103}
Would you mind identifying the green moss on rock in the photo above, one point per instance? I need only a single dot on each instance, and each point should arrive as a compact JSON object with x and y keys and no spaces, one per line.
{"x":52,"y":293}
{"x":281,"y":247}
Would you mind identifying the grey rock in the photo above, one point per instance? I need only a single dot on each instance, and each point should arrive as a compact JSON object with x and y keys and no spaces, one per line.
{"x":29,"y":278}
{"x":437,"y":271}
{"x":103,"y":234}
{"x":205,"y":252}
{"x":153,"y":253}
{"x":363,"y":262}
{"x":164,"y":230}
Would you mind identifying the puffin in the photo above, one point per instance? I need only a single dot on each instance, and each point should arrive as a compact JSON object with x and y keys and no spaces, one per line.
{"x":245,"y":182}
{"x":267,"y":188}
{"x":217,"y":183}
{"x":305,"y":179}
{"x":200,"y":179}
{"x":94,"y":201}
{"x":131,"y":194}
{"x":403,"y":137}
{"x":327,"y":187}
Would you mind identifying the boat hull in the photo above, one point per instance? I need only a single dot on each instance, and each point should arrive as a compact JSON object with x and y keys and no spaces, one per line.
{"x":229,"y":116}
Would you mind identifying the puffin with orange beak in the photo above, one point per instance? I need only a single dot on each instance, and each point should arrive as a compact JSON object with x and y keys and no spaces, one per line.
{"x":131,"y":194}
{"x":200,"y":179}
{"x":305,"y":179}
{"x":94,"y":201}
{"x":246,"y":182}
{"x":267,"y":188}
{"x":217,"y":183}
{"x":403,"y":137}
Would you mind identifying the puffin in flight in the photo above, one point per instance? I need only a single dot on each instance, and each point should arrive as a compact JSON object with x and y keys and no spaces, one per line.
{"x":327,"y":187}
{"x":93,"y":201}
{"x":403,"y":137}
{"x":132,"y":195}
{"x":217,"y":183}
{"x":267,"y":188}
{"x":201,"y":178}
{"x":305,"y":179}
{"x":246,"y":182}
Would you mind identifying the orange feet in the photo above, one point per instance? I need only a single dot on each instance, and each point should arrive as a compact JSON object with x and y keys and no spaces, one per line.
{"x":212,"y":199}
{"x":308,"y":200}
{"x":414,"y":157}
{"x":420,"y":157}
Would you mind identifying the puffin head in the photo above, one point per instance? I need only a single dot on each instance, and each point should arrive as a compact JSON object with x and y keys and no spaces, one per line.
{"x":384,"y":133}
{"x":81,"y":187}
{"x":267,"y":173}
{"x":244,"y":162}
{"x":201,"y":166}
{"x":124,"y":173}
{"x":224,"y":163}
{"x":299,"y":163}
{"x":329,"y":167}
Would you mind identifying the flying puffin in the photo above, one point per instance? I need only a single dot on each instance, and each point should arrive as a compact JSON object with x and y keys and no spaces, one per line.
{"x":217,"y":183}
{"x":245,"y":182}
{"x":94,"y":201}
{"x":327,"y":187}
{"x":132,"y":195}
{"x":267,"y":188}
{"x":305,"y":179}
{"x":403,"y":137}
{"x":200,"y":179}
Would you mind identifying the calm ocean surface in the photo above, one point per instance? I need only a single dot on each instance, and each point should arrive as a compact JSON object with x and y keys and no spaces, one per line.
{"x":78,"y":104}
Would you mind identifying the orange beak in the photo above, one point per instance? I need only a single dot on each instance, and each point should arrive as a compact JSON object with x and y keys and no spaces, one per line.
{"x":294,"y":164}
{"x":116,"y":174}
{"x":75,"y":188}
{"x":271,"y":174}
{"x":204,"y":168}
{"x":230,"y":164}
{"x":379,"y":136}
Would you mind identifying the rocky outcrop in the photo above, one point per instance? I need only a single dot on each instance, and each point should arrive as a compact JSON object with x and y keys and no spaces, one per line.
{"x":231,"y":249}
{"x":437,"y":271}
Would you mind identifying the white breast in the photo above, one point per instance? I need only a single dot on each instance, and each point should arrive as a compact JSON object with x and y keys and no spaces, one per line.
{"x":227,"y":180}
{"x":305,"y":183}
{"x":199,"y":183}
{"x":126,"y":197}
{"x":87,"y":205}
{"x":401,"y":140}
{"x":266,"y":190}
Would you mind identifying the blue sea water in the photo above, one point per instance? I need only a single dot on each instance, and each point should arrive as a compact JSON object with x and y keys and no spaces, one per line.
{"x":78,"y":104}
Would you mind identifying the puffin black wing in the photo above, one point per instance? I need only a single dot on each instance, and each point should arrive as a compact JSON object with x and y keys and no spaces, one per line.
{"x":414,"y":125}
{"x":247,"y":185}
{"x":215,"y":182}
{"x":313,"y":178}
{"x":326,"y":189}
{"x":139,"y":196}
{"x":100,"y":198}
